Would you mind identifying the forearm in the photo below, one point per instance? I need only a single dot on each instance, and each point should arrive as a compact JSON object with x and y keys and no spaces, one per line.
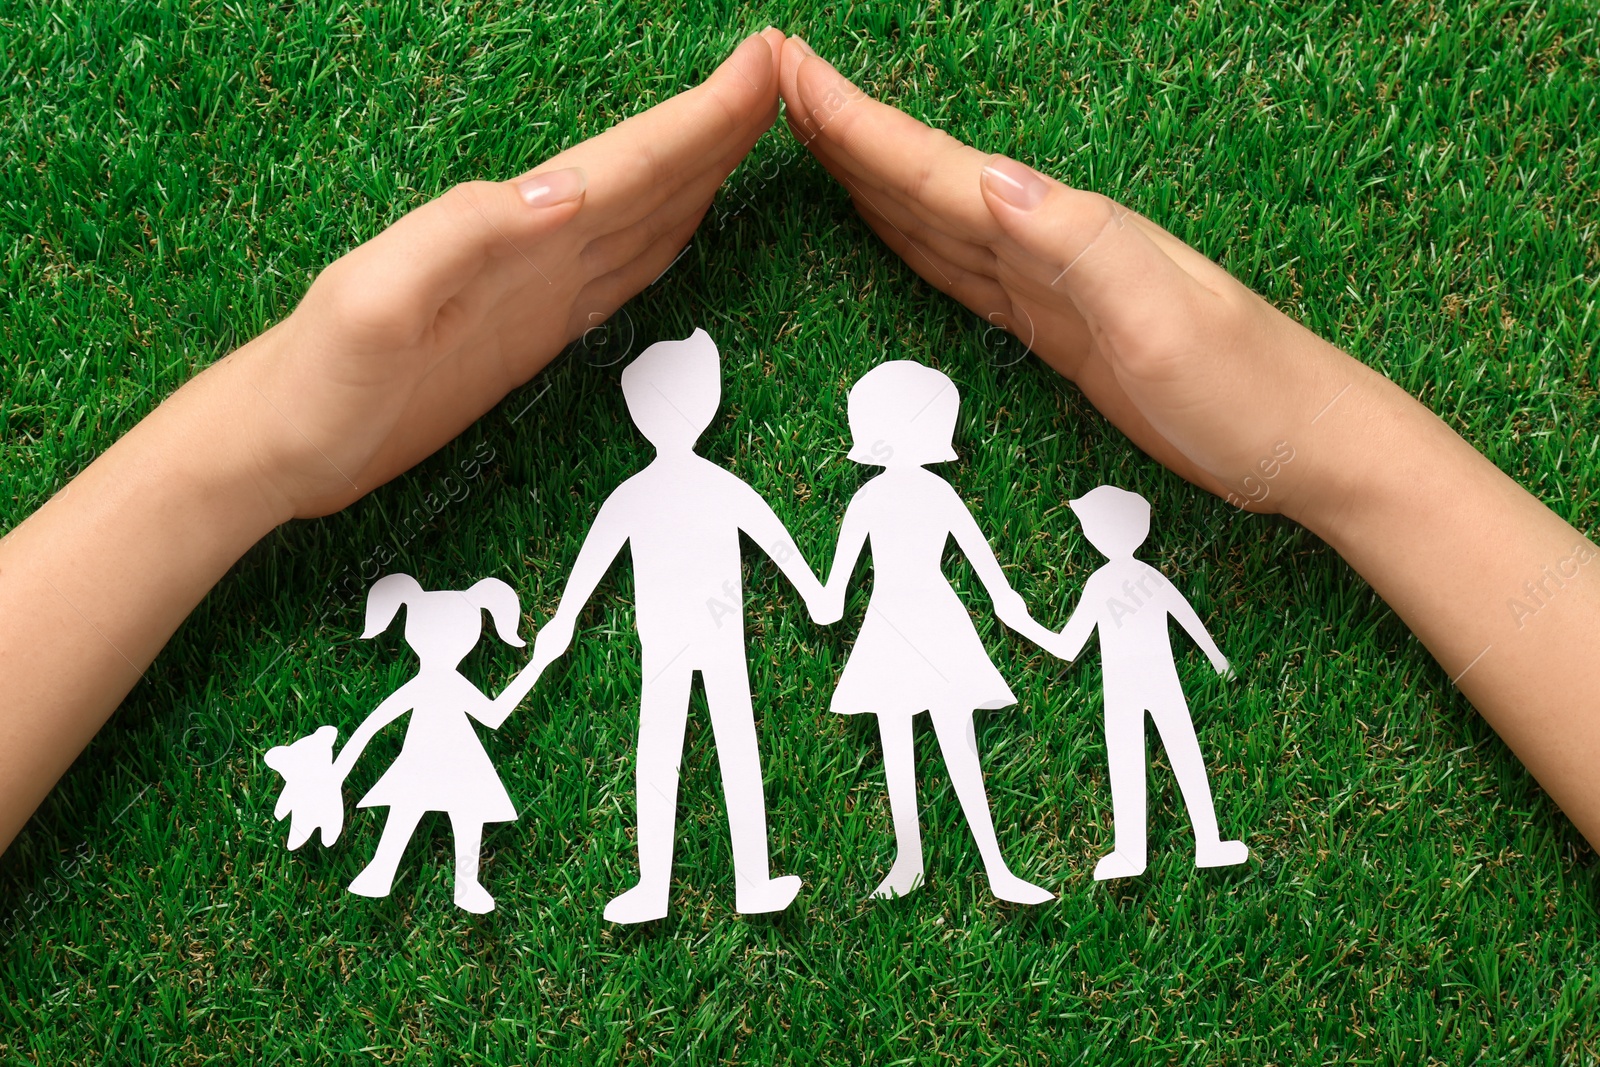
{"x":94,"y":583}
{"x":1504,"y":593}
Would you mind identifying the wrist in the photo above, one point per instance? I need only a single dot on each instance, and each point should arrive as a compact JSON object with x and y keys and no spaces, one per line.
{"x":1365,"y":458}
{"x":1280,"y":421}
{"x":204,"y":447}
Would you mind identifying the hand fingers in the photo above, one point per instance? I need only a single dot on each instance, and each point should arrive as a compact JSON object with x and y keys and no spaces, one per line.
{"x":865,"y":187}
{"x":927,"y":170}
{"x":391,"y":287}
{"x":1197,"y":266}
{"x":924,"y":239}
{"x":917,"y":187}
{"x":982,"y":294}
{"x":914,"y":224}
{"x":659,"y":138}
{"x":902,"y":169}
{"x":637,"y":164}
{"x":600,"y":299}
{"x":971,"y":275}
{"x":1027,"y":259}
{"x":793,"y":51}
{"x":923,"y":167}
{"x":924,"y":170}
{"x":1125,"y":286}
{"x":611,"y":251}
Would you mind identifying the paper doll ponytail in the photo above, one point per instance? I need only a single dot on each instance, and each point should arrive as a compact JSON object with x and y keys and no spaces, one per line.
{"x":443,"y":611}
{"x":500,"y":601}
{"x":384,"y":600}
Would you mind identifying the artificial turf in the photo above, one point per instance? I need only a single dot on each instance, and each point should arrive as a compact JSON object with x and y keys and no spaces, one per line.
{"x":1414,"y":181}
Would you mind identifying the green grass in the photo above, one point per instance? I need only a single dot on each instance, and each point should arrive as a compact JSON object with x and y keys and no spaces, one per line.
{"x":1416,"y":182}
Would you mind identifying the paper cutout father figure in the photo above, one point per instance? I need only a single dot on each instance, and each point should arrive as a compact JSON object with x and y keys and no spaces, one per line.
{"x":681,"y":517}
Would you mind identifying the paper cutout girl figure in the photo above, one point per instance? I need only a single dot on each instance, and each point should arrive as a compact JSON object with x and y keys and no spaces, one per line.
{"x":917,"y":650}
{"x":681,"y":517}
{"x":442,"y":765}
{"x":1129,"y":602}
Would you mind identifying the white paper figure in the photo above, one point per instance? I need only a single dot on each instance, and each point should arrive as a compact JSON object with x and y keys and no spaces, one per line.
{"x":1129,"y":601}
{"x":310,"y":795}
{"x":442,"y":765}
{"x":681,"y":517}
{"x":917,"y":650}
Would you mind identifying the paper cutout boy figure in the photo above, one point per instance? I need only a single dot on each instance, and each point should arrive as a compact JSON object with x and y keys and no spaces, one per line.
{"x":442,"y":765}
{"x":918,"y":650}
{"x":1129,"y":602}
{"x":681,"y":516}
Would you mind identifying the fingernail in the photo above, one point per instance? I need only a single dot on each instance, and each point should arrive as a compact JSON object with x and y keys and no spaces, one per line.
{"x":553,"y":187}
{"x":1017,"y":185}
{"x":801,"y":41}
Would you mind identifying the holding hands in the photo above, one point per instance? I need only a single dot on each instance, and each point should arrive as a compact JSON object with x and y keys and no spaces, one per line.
{"x":395,"y":349}
{"x":403,"y":342}
{"x":1200,"y":372}
{"x":551,"y":642}
{"x":1011,"y":610}
{"x":827,"y":606}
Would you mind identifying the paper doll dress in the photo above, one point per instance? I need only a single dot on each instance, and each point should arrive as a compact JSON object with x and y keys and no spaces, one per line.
{"x":918,"y":653}
{"x":442,"y":767}
{"x":917,"y":648}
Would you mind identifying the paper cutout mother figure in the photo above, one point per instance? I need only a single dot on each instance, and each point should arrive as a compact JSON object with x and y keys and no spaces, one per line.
{"x":442,"y":765}
{"x":1129,"y":602}
{"x":682,"y":516}
{"x":917,"y":650}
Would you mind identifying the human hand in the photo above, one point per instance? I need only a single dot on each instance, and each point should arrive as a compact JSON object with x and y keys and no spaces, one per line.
{"x":1201,"y":373}
{"x":405,"y":340}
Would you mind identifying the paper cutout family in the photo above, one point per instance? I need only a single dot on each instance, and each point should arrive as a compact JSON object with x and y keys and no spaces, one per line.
{"x":917,"y":651}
